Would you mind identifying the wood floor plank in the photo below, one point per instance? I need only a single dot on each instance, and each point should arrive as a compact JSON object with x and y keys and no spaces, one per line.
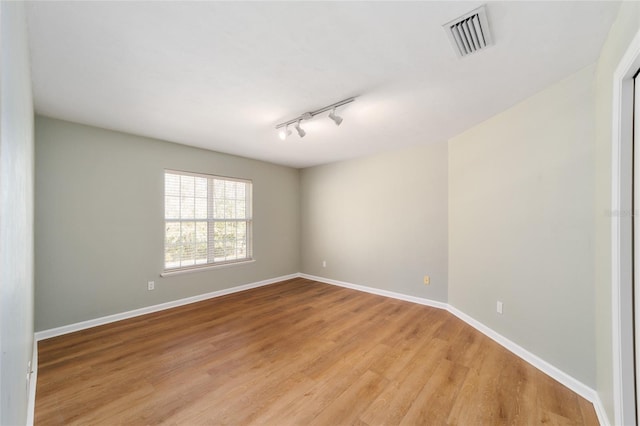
{"x":589,"y":416}
{"x":433,"y":404}
{"x":560,"y":404}
{"x":392,"y":404}
{"x":304,"y":407}
{"x":477,"y":401}
{"x":346,"y":408}
{"x":294,"y":353}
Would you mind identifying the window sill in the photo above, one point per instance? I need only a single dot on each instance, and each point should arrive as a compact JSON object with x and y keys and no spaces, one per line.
{"x":204,"y":268}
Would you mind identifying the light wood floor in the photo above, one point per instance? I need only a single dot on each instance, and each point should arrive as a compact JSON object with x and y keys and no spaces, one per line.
{"x":295,"y":353}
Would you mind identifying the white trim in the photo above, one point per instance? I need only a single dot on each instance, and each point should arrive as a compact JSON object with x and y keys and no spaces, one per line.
{"x":379,"y":292}
{"x":601,"y":412}
{"x":206,"y":267}
{"x":621,"y":77}
{"x":53,"y":332}
{"x":542,"y":365}
{"x":33,"y":380}
{"x":206,"y":175}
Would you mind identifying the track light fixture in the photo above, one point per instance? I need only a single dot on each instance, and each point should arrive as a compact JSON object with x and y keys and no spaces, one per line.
{"x":336,"y":118}
{"x":309,"y":115}
{"x":283,"y":133}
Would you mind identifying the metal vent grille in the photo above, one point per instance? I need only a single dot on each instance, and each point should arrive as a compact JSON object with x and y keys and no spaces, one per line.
{"x":470,"y":32}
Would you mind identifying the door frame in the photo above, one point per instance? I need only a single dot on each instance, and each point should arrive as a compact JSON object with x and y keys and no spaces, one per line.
{"x":621,"y":230}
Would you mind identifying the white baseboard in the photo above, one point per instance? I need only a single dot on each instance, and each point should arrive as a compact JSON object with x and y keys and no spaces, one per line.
{"x":575,"y":385}
{"x":600,"y":411}
{"x":378,"y":291}
{"x":33,"y":379}
{"x":542,"y":365}
{"x":58,"y":331}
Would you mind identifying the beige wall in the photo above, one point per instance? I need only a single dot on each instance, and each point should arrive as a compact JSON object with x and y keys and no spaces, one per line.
{"x":100,"y":220}
{"x":380,"y":221}
{"x":16,"y":214}
{"x":623,"y":30}
{"x":521,"y":224}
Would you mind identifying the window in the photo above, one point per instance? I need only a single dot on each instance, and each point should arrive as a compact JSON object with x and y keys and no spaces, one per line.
{"x":207,"y":220}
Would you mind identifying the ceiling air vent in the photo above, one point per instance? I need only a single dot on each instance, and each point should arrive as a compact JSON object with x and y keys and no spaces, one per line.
{"x":470,"y":32}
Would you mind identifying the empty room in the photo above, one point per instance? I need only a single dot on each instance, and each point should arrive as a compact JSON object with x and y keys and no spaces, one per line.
{"x":319,"y":213}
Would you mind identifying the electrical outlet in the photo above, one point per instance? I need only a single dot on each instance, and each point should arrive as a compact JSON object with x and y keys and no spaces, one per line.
{"x":427,"y":280}
{"x":151,"y":285}
{"x":324,"y":263}
{"x":499,"y":307}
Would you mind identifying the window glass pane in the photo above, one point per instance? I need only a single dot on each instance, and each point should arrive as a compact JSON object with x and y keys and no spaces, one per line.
{"x":201,"y":253}
{"x":201,"y":242}
{"x":241,"y":190}
{"x":201,"y":232}
{"x":218,"y":188}
{"x":187,"y":208}
{"x":230,"y":189}
{"x":230,"y":240}
{"x":229,"y":209}
{"x":172,"y":257}
{"x":187,"y":186}
{"x":241,"y":211}
{"x":188,"y":237}
{"x":172,"y":233}
{"x":188,"y":231}
{"x":171,"y":207}
{"x":242,"y":228}
{"x":172,"y":245}
{"x":201,"y":187}
{"x":218,"y":209}
{"x":188,"y":258}
{"x":241,"y":239}
{"x":171,"y":184}
{"x":201,"y":208}
{"x":219,"y":233}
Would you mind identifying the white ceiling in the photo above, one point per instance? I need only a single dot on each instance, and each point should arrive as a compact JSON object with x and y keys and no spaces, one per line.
{"x":221,"y":75}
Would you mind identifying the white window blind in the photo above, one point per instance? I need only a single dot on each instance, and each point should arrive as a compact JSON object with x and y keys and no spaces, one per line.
{"x":207,"y":220}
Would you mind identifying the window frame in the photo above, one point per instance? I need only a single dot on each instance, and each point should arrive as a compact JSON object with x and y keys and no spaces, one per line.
{"x":211,"y":220}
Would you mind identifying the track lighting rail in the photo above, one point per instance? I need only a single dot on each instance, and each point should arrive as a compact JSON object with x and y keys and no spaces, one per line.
{"x":311,"y":114}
